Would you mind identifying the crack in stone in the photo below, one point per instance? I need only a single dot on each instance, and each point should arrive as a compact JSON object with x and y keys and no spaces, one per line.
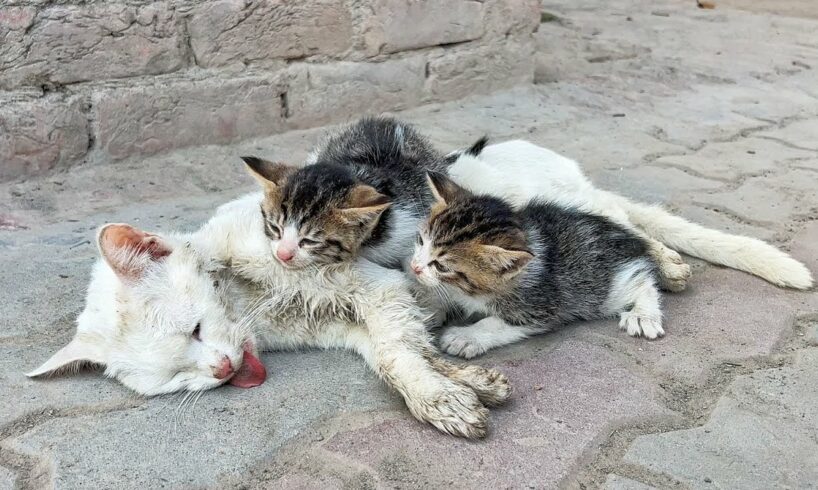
{"x":25,"y":465}
{"x":695,"y":410}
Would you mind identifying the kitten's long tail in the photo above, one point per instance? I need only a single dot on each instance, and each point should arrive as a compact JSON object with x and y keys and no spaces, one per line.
{"x":734,"y":251}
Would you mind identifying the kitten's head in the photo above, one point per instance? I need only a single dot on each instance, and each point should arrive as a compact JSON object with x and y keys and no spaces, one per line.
{"x":470,"y":242}
{"x":315,"y":215}
{"x":154,"y":318}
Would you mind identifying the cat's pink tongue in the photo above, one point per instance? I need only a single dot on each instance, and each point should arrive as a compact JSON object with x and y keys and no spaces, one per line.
{"x":251,"y":373}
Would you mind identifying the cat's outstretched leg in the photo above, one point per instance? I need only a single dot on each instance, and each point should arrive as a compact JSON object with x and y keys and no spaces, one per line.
{"x":476,"y":339}
{"x":491,"y":386}
{"x":635,"y":297}
{"x":431,"y":397}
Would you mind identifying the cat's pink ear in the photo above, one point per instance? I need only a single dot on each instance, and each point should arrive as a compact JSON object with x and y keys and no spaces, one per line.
{"x":507,"y":263}
{"x":270,"y":175}
{"x":130,"y":251}
{"x":443,"y":188}
{"x":78,"y":352}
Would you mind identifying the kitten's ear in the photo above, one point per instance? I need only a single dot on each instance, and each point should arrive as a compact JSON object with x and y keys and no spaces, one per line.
{"x":78,"y":352}
{"x":129,"y":251}
{"x":507,"y":263}
{"x":270,"y":175}
{"x":443,"y":188}
{"x":364,"y":198}
{"x":363,"y":206}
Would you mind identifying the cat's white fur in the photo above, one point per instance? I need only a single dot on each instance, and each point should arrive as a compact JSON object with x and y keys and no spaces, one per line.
{"x":140,"y":328}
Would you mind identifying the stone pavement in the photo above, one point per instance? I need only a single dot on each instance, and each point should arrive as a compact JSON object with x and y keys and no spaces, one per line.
{"x":712,"y":112}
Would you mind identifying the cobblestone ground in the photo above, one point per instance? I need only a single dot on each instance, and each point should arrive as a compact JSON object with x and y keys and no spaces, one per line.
{"x":712,"y":112}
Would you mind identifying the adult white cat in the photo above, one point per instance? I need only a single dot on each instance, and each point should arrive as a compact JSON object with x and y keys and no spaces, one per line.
{"x":190,"y":312}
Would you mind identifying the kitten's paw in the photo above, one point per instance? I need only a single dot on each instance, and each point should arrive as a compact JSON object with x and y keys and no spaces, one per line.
{"x":459,"y":341}
{"x":673,"y":272}
{"x":644,"y":326}
{"x":491,"y":386}
{"x":453,"y":409}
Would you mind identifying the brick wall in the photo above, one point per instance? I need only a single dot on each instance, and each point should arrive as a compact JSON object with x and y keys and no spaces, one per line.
{"x":99,"y":81}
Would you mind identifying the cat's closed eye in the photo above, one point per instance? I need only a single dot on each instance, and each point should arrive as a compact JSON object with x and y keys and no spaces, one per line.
{"x":197,"y":332}
{"x":306,"y":242}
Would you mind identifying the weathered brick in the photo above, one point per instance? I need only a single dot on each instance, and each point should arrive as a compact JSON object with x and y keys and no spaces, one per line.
{"x":237,"y":31}
{"x":152,"y":119}
{"x":512,"y":17}
{"x":37,"y":135}
{"x":458,"y":73}
{"x":66,"y":44}
{"x":321,"y":94}
{"x":399,"y":25}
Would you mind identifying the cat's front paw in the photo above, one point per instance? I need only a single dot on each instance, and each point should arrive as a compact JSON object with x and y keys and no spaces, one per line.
{"x":453,"y":409}
{"x":644,"y":326}
{"x":459,"y":341}
{"x":492,"y":387}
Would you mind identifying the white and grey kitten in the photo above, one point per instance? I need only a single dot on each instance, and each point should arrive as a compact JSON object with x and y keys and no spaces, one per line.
{"x":531,"y":270}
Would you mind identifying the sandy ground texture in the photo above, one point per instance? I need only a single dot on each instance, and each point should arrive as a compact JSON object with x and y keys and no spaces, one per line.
{"x":712,"y":112}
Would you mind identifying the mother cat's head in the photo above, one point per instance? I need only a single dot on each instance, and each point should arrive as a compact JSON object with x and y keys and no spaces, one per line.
{"x":154,"y":318}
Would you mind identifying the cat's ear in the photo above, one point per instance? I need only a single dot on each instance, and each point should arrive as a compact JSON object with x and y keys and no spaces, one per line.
{"x":81,"y":350}
{"x":443,"y":188}
{"x":271,"y":175}
{"x":505,"y":262}
{"x":130,"y":251}
{"x":363,"y":205}
{"x":365,"y":199}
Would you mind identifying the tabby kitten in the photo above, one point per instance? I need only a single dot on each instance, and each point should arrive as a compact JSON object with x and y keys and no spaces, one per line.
{"x":363,"y":192}
{"x":530,"y":270}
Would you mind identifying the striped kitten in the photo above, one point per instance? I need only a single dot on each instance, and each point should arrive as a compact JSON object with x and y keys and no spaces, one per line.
{"x":363,"y":192}
{"x":532,"y":269}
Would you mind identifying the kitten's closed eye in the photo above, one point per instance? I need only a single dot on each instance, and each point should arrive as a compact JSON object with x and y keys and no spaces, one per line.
{"x":438,"y":266}
{"x":273,"y":230}
{"x":197,"y":332}
{"x":306,"y":242}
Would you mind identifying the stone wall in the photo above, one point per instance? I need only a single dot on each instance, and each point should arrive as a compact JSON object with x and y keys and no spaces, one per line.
{"x":100,"y":81}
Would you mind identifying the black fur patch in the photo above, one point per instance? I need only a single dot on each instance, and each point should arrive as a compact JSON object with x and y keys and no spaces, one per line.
{"x":477,"y":148}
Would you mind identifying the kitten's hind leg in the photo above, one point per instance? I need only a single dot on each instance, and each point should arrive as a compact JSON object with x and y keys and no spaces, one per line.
{"x":492,"y":387}
{"x":673,"y":272}
{"x":635,"y":297}
{"x":476,"y":339}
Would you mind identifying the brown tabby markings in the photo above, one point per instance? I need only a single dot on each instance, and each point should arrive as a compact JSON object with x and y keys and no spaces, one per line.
{"x":338,"y":222}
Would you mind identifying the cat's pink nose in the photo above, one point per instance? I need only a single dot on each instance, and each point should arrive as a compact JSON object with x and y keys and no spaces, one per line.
{"x":284,"y":254}
{"x":223,"y":369}
{"x":416,"y":268}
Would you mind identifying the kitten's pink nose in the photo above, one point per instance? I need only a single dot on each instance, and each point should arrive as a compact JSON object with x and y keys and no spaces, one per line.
{"x":285,"y":254}
{"x":416,"y":268}
{"x":223,"y":369}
